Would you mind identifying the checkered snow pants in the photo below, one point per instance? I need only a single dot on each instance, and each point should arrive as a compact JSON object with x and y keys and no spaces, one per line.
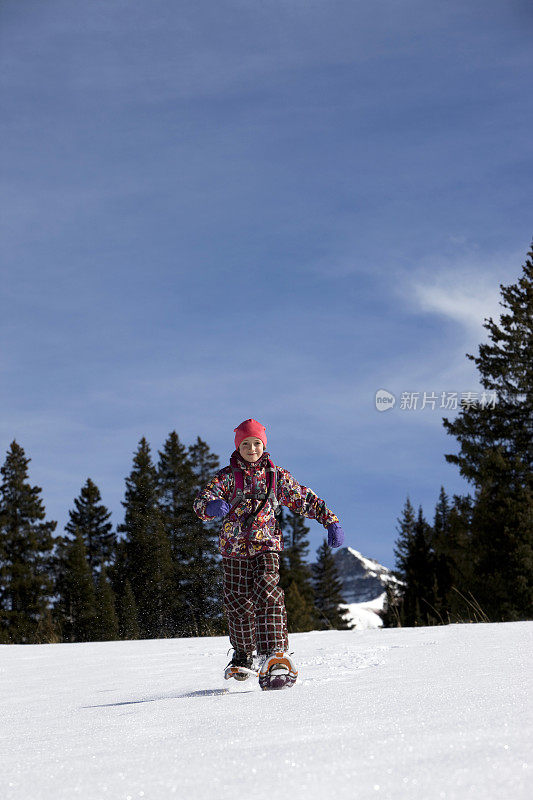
{"x":254,"y":604}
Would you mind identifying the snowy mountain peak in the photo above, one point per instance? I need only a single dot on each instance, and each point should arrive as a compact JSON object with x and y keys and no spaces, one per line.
{"x":364,"y":582}
{"x":363,"y":579}
{"x":369,"y":563}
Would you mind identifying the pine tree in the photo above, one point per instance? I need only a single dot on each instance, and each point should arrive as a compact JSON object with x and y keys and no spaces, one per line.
{"x":176,"y":489}
{"x":404,"y":541}
{"x":415,"y":567}
{"x":460,"y":556}
{"x":177,"y":485}
{"x":26,"y":553}
{"x":145,"y":556}
{"x":451,"y":544}
{"x":106,"y":626}
{"x":442,"y":547}
{"x":295,"y":569}
{"x":328,"y":590}
{"x":47,"y":631}
{"x":496,"y":455}
{"x":200,"y":580}
{"x":502,"y":544}
{"x":505,"y":366}
{"x":76,"y":606}
{"x":421,"y":574}
{"x":299,"y":616}
{"x":392,"y":609}
{"x":128,"y":617}
{"x":204,"y":462}
{"x":91,"y":518}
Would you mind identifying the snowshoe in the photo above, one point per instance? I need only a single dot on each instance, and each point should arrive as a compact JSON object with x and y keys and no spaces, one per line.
{"x":240,"y":667}
{"x":277,"y":671}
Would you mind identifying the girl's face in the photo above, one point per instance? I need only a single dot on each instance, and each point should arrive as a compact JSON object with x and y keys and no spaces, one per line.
{"x":251,"y":449}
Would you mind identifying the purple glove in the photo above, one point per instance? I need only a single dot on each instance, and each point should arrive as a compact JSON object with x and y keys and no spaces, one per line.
{"x":217,"y":508}
{"x":335,"y":535}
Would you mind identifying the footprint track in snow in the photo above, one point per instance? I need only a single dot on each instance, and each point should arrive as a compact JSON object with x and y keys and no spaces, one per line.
{"x":337,"y":664}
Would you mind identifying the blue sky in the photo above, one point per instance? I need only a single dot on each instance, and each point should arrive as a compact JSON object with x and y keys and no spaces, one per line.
{"x":220,"y":210}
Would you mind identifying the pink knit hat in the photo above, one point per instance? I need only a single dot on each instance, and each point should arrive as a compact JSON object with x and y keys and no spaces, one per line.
{"x":250,"y":427}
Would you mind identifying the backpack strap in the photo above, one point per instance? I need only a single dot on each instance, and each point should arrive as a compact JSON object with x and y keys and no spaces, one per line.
{"x":238,"y":491}
{"x":273,"y":483}
{"x":238,"y":483}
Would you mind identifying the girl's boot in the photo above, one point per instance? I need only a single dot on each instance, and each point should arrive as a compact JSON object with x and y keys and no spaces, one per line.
{"x":240,"y":667}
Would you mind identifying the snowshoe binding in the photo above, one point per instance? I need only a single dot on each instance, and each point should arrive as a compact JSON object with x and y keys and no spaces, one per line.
{"x":240,"y":667}
{"x":277,"y":671}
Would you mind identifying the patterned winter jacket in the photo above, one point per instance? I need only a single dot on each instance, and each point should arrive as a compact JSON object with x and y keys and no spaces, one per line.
{"x":263,"y":534}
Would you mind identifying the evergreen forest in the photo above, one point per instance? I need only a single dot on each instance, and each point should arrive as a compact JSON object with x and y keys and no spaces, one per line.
{"x":155,"y":576}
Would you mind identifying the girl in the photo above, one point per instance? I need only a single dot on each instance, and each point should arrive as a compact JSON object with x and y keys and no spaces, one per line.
{"x":248,"y":494}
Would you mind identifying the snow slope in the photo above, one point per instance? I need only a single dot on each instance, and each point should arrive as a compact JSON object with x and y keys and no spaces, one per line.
{"x":413,"y":713}
{"x":364,"y":615}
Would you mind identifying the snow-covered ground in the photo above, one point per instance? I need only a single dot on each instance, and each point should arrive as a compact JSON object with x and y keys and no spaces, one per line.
{"x":415,"y":713}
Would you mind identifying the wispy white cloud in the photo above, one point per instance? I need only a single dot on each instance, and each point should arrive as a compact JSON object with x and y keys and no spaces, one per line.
{"x":467,"y":303}
{"x":465,"y":289}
